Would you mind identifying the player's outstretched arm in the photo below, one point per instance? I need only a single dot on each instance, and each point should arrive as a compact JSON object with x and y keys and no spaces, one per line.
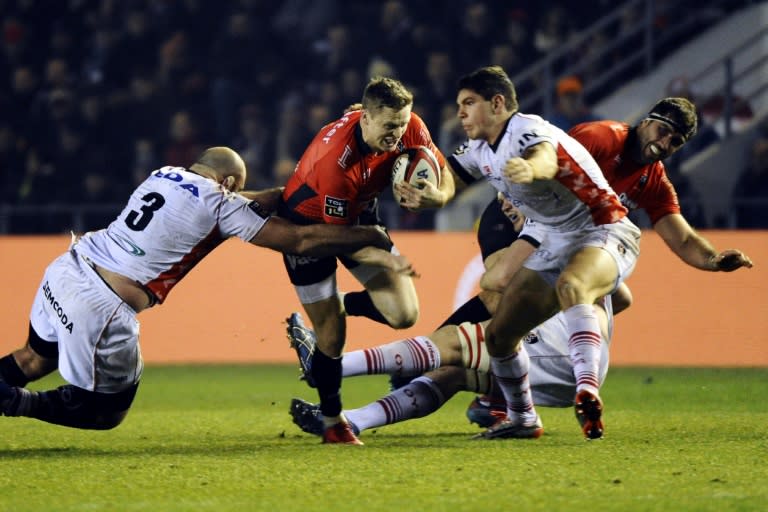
{"x":696,"y":250}
{"x":267,"y":198}
{"x":319,"y":240}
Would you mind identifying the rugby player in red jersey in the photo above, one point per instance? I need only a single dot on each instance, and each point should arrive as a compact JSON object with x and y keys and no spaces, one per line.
{"x":337,"y":181}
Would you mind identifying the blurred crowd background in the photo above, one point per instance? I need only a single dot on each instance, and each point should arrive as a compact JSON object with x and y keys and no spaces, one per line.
{"x":97,"y":93}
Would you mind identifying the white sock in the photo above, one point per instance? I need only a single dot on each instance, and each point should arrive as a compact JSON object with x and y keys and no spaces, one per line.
{"x":417,"y":399}
{"x":584,"y":346}
{"x":511,"y":374}
{"x":412,"y":356}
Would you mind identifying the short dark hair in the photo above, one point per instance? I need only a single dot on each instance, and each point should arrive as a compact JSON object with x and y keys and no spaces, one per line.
{"x":490,"y":81}
{"x":679,"y":113}
{"x":383,"y":92}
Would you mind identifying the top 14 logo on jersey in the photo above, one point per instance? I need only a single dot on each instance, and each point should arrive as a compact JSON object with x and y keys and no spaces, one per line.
{"x":335,"y":207}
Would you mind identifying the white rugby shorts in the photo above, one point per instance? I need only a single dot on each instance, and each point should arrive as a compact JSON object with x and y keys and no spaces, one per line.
{"x":328,"y":287}
{"x":621,"y":240}
{"x":97,"y":333}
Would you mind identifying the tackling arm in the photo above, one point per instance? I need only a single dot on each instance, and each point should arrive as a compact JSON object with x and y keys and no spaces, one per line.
{"x":267,"y":198}
{"x":694,"y":249}
{"x":319,"y":240}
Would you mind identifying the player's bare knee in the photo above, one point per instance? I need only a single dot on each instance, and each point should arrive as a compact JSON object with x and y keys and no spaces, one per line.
{"x":405,"y":321}
{"x":500,"y":344}
{"x":502,"y":338}
{"x":570,"y":289}
{"x":403,"y":317}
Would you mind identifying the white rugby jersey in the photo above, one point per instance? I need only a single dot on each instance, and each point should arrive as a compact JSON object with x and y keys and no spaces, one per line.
{"x":578,"y":196}
{"x":171,"y":222}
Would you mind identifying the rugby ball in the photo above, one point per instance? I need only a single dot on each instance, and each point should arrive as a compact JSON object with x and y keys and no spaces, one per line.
{"x":413,"y":165}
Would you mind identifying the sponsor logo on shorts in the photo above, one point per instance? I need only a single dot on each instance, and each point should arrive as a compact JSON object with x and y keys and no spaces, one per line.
{"x":531,"y":338}
{"x":297,"y":261}
{"x":57,"y":308}
{"x":335,"y":207}
{"x":545,"y":255}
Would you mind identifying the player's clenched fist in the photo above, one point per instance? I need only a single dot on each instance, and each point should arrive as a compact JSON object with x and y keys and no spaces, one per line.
{"x":519,"y":170}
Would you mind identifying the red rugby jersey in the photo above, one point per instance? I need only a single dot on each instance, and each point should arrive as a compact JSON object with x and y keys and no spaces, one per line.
{"x":338,"y":174}
{"x":638,"y":185}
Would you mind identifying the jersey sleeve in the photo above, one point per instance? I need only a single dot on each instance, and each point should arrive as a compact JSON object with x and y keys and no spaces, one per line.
{"x":237,"y":216}
{"x":464,"y":163}
{"x":601,"y":139}
{"x":530,"y":131}
{"x":659,"y":197}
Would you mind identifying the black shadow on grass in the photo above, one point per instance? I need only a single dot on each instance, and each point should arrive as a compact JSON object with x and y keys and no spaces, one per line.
{"x":146,"y":451}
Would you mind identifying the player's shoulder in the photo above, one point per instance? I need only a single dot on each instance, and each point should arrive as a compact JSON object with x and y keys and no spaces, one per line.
{"x":182,"y":188}
{"x":658,"y":174}
{"x":606,"y":134}
{"x":339,"y":131}
{"x":468,"y":147}
{"x":416,"y":120}
{"x":524,"y":128}
{"x":520,"y":121}
{"x":606,"y":128}
{"x":170,"y":176}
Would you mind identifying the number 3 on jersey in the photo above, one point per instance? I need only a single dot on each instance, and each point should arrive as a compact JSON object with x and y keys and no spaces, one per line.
{"x":137,"y":221}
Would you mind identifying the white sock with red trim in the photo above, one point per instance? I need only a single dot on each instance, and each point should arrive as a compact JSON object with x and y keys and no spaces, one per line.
{"x":584,"y":346}
{"x":414,"y":400}
{"x":411,"y":356}
{"x":511,"y":374}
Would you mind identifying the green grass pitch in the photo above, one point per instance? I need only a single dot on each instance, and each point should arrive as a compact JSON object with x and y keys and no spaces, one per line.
{"x":219,"y":438}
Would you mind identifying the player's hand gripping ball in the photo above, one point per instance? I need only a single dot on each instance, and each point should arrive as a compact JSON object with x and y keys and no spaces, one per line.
{"x":415,"y":166}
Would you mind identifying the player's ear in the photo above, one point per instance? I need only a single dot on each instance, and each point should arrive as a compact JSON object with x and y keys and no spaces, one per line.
{"x":497,"y":103}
